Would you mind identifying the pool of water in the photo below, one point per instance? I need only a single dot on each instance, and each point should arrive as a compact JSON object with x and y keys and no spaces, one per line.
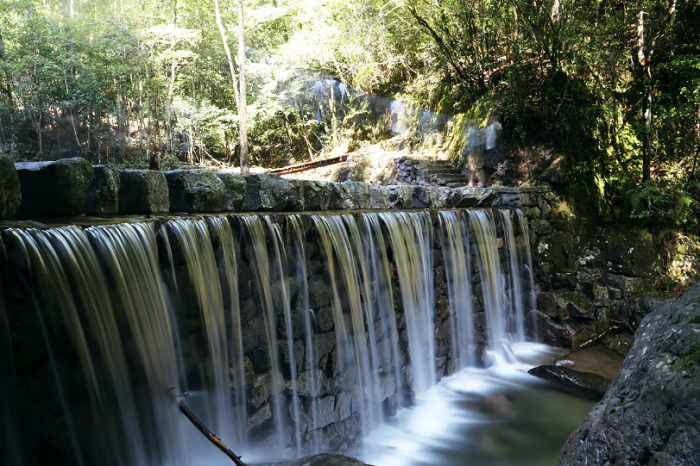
{"x":499,"y":416}
{"x":596,"y":359}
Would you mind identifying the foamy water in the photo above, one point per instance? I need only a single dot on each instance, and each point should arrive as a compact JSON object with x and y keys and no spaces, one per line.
{"x":495,"y":416}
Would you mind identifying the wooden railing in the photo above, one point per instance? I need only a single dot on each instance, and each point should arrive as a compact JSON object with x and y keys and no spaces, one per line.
{"x":300,"y":167}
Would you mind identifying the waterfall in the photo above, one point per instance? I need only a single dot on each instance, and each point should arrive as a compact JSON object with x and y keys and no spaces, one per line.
{"x":348,"y":275}
{"x":458,"y":265}
{"x":118,"y":398}
{"x":492,"y":280}
{"x":412,"y":243}
{"x":207,"y":360}
{"x":258,"y":250}
{"x":285,"y":334}
{"x":389,"y":356}
{"x":515,"y":302}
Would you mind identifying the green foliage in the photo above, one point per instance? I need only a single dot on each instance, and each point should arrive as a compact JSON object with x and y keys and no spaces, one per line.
{"x":669,"y":205}
{"x":122,"y":80}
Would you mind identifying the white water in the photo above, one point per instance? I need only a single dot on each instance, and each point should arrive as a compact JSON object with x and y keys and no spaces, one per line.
{"x":495,"y":416}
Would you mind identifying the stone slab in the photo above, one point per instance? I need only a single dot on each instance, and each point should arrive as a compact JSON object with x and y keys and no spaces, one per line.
{"x":143,"y":192}
{"x":103,"y":198}
{"x":54,"y":189}
{"x":195,"y":191}
{"x":234,"y":190}
{"x":265,"y":192}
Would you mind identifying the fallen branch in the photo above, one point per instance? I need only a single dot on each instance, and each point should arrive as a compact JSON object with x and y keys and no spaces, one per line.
{"x":207,"y":433}
{"x":623,"y":322}
{"x":589,"y":341}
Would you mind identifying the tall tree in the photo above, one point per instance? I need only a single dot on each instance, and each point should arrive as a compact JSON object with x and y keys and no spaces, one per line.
{"x":242,"y":117}
{"x":229,"y":58}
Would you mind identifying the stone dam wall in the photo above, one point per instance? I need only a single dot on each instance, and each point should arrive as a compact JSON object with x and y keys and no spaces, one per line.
{"x":334,"y":424}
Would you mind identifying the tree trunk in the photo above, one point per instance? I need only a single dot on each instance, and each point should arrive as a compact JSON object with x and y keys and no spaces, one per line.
{"x":646,"y":113}
{"x":229,"y":58}
{"x":8,"y":89}
{"x":645,"y":63}
{"x":242,"y":118}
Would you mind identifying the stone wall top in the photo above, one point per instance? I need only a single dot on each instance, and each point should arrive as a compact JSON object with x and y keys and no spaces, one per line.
{"x":188,"y":191}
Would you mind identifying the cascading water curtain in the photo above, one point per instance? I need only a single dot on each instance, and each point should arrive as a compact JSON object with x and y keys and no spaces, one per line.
{"x":348,"y":275}
{"x":515,"y":303}
{"x":458,"y":268}
{"x":205,"y":353}
{"x":118,"y":398}
{"x":411,"y":239}
{"x":389,"y":356}
{"x":265,"y":275}
{"x":217,"y":312}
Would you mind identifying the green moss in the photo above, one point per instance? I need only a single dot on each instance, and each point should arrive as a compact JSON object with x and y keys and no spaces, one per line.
{"x":692,"y":360}
{"x":577,"y":298}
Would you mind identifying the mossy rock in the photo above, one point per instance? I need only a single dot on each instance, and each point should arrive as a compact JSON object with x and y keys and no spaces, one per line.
{"x":10,"y":188}
{"x":143,"y":192}
{"x":54,"y":189}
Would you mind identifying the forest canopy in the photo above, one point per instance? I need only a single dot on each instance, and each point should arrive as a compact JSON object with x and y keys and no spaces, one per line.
{"x":614,"y":86}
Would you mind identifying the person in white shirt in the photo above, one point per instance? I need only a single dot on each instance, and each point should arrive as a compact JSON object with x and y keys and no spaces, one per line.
{"x":495,"y":160}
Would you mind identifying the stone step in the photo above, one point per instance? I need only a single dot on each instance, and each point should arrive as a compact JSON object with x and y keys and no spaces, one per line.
{"x":439,"y":164}
{"x":426,"y":160}
{"x":451,"y":178}
{"x":432,"y":166}
{"x":437,"y":171}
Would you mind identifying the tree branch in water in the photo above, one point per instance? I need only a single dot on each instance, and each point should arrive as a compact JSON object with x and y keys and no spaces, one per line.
{"x":207,"y":433}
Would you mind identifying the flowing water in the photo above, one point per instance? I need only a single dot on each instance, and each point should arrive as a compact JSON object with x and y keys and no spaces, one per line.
{"x":137,"y":315}
{"x":500,"y":416}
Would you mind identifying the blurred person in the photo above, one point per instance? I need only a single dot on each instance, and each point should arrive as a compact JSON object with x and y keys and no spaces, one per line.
{"x":494,"y":165}
{"x":474,"y":151}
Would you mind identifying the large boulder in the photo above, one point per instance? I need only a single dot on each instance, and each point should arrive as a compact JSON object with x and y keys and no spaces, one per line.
{"x":10,"y":188}
{"x":586,"y":384}
{"x":103,"y":198}
{"x":54,"y":189}
{"x":650,"y":414}
{"x":265,"y":192}
{"x":195,"y":191}
{"x":143,"y":192}
{"x":234,"y":190}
